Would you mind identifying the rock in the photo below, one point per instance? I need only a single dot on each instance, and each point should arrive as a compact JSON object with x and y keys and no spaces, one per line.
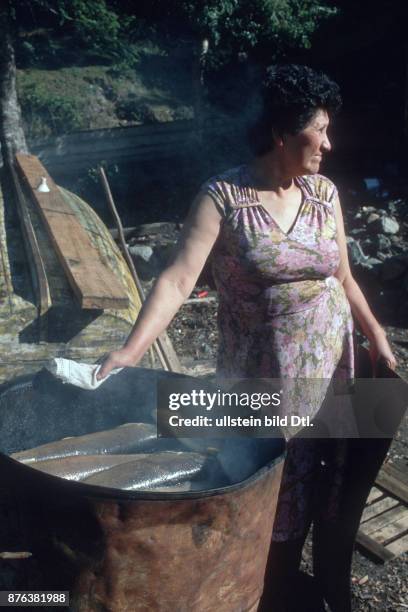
{"x":161,"y":113}
{"x":373,"y":217}
{"x":131,"y":109}
{"x":146,"y":262}
{"x":382,"y":243}
{"x":368,"y":209}
{"x":206,"y":350}
{"x":395,"y":239}
{"x":376,"y":245}
{"x":372,"y":265}
{"x":396,"y":206}
{"x":356,"y":231}
{"x":372,"y":262}
{"x":398,"y":244}
{"x":369,"y":246}
{"x":383,"y":225}
{"x":151,"y":260}
{"x":141,"y":251}
{"x":390,"y":225}
{"x":158,"y":113}
{"x":356,"y":253}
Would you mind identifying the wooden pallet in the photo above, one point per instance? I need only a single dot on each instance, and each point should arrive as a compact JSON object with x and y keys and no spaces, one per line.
{"x":383,"y":531}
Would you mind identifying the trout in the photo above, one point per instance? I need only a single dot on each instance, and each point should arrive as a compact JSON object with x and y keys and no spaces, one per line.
{"x":154,"y":470}
{"x":81,"y":466}
{"x":124,"y":439}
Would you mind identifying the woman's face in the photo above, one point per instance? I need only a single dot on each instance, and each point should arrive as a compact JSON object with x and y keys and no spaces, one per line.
{"x":303,"y":152}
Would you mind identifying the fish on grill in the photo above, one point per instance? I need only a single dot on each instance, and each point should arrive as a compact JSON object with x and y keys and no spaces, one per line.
{"x":81,"y":466}
{"x":156,"y":469}
{"x":124,"y":439}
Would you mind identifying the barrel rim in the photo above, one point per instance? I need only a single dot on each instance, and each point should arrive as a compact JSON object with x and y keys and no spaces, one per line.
{"x":81,"y":489}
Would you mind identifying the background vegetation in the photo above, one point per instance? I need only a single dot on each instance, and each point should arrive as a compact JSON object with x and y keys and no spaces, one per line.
{"x":89,"y":64}
{"x":99,"y":63}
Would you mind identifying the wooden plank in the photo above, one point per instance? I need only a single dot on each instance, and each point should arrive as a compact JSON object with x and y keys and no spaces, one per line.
{"x":392,"y":531}
{"x":37,"y":268}
{"x":94,"y":284}
{"x":378,"y":508}
{"x":398,"y":547}
{"x":374,"y":495}
{"x":393,"y":485}
{"x":148,"y":229}
{"x":378,"y":551}
{"x":378,"y":522}
{"x":204,"y":300}
{"x":397,"y":471}
{"x":170,"y":355}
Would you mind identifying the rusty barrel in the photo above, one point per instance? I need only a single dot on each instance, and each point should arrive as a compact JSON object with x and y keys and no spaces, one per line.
{"x":117,"y":550}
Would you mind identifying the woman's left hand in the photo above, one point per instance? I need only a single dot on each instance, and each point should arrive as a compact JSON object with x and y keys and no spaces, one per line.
{"x":381,"y":350}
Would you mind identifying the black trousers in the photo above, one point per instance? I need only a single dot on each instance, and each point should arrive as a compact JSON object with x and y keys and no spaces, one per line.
{"x":333,"y":540}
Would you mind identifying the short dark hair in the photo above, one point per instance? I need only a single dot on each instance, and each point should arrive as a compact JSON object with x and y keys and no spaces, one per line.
{"x":291,"y":94}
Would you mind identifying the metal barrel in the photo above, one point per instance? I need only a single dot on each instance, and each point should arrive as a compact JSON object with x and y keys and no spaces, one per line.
{"x":116,"y":550}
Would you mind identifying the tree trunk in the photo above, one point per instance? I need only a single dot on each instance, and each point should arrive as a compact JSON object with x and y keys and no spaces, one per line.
{"x":12,"y":139}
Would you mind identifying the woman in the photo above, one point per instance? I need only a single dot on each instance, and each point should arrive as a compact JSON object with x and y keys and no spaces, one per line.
{"x":286,"y":292}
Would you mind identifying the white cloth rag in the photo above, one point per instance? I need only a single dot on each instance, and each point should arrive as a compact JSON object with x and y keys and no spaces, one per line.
{"x":79,"y":374}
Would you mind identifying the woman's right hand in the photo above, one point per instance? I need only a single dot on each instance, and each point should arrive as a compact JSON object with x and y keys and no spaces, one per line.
{"x":116,"y":359}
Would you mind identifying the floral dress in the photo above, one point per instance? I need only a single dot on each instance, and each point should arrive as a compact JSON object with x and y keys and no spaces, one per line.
{"x":282,"y":313}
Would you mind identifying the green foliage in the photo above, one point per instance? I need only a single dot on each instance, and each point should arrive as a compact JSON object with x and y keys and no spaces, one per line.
{"x":278,"y":25}
{"x":124,"y":38}
{"x":51,"y":115}
{"x":87,"y":25}
{"x":40,"y":49}
{"x":47,"y":113}
{"x":237,"y":26}
{"x":93,"y":23}
{"x":107,"y":28}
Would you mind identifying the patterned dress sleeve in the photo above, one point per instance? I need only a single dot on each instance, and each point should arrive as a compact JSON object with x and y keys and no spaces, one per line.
{"x":326,"y":190}
{"x":213,"y":188}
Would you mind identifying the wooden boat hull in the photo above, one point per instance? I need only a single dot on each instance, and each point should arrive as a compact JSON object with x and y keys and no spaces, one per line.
{"x":29,"y":338}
